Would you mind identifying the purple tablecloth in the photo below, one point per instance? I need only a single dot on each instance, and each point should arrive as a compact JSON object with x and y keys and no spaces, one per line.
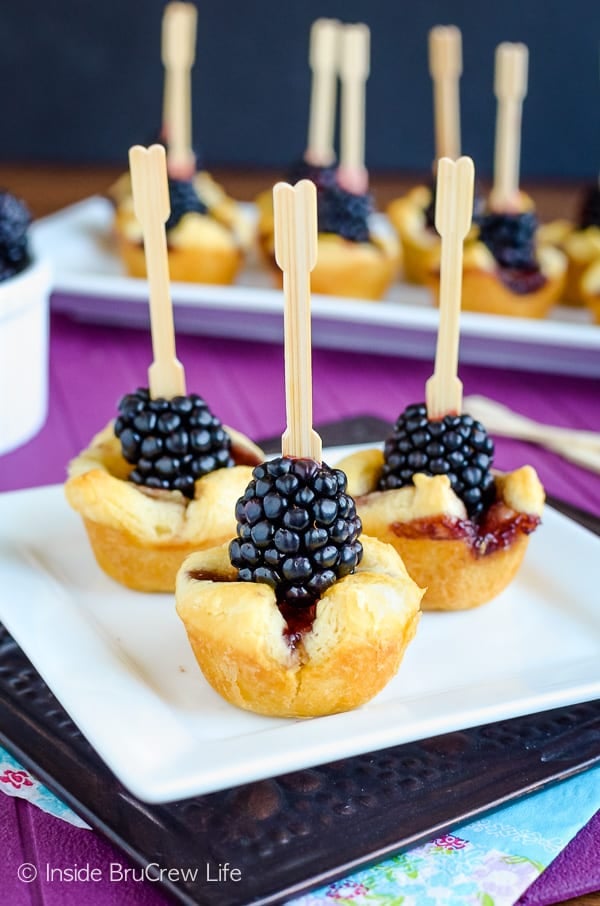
{"x":91,"y":368}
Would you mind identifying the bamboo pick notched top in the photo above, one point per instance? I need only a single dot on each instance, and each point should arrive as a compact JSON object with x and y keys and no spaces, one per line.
{"x":178,"y":47}
{"x":354,"y":71}
{"x":510,"y":87}
{"x":323,"y":61}
{"x":295,"y":210}
{"x":453,"y":214}
{"x":445,"y":67}
{"x":152,"y":208}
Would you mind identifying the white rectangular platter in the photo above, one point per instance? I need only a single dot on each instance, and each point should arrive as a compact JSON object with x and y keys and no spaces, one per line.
{"x":120,"y":663}
{"x":89,"y":284}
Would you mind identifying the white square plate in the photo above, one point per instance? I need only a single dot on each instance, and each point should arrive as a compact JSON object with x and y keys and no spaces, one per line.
{"x":120,"y":663}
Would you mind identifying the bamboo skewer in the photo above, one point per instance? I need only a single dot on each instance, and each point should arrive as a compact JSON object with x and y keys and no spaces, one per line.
{"x":354,"y":71}
{"x":323,"y":58}
{"x":510,"y":87}
{"x":178,"y":54}
{"x":445,"y":67}
{"x":453,"y":212}
{"x":295,"y":211}
{"x":150,"y":189}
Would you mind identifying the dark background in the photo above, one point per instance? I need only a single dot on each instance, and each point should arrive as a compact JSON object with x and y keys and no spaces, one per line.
{"x":82,"y":81}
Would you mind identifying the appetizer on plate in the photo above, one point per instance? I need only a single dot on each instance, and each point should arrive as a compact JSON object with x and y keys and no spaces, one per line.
{"x":162,"y":480}
{"x":354,"y":260}
{"x":208,"y":233}
{"x":300,"y":615}
{"x":461,"y":528}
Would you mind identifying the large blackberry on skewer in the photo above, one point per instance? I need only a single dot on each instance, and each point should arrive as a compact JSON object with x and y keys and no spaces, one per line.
{"x":511,"y":238}
{"x":171,"y":443}
{"x":184,"y":199}
{"x":14,"y":246}
{"x":297,"y":529}
{"x":344,"y":213}
{"x":456,"y":446}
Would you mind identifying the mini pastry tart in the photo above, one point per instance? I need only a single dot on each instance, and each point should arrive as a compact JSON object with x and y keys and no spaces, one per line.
{"x":590,"y":289}
{"x":461,"y":563}
{"x":140,"y":536}
{"x":299,"y":662}
{"x":359,"y":270}
{"x":200,"y":248}
{"x":582,"y":248}
{"x":420,"y":244}
{"x":496,"y":290}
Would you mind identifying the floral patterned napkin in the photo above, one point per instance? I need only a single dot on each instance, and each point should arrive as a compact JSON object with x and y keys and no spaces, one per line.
{"x":487,"y":862}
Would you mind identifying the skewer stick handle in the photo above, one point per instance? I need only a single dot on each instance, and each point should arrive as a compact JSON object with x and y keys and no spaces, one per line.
{"x":510,"y":87}
{"x":354,"y":71}
{"x":150,"y":189}
{"x":178,"y":53}
{"x":295,"y":211}
{"x":453,"y":212}
{"x":445,"y":66}
{"x":323,"y":56}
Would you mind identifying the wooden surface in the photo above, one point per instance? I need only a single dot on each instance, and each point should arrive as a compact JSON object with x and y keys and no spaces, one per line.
{"x":47,"y":188}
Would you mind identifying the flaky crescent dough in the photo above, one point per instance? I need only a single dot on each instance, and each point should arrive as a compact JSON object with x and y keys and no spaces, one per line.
{"x":455,"y":574}
{"x":362,"y":626}
{"x":141,"y":537}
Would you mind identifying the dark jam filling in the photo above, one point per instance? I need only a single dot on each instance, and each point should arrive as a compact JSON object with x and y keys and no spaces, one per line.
{"x":298,"y":620}
{"x":520,"y":282}
{"x":496,"y":531}
{"x":589,"y":214}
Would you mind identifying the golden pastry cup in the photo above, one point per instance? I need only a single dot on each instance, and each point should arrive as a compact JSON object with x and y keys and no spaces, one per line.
{"x":356,"y":270}
{"x":420,"y":245}
{"x":362,"y":627}
{"x":484,"y":291}
{"x":141,"y":536}
{"x":201,"y":247}
{"x":582,"y":248}
{"x":218,"y":266}
{"x":590,"y":289}
{"x":456,"y":575}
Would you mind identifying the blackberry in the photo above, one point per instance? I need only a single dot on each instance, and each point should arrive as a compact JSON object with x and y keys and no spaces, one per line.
{"x":297,"y":530}
{"x":344,"y":213}
{"x":321,"y":176}
{"x":511,"y":239}
{"x":589,"y":214}
{"x":14,"y":246}
{"x":171,"y":443}
{"x":184,"y":199}
{"x":456,"y":446}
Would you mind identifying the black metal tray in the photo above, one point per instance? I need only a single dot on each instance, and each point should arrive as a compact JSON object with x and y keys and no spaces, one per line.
{"x":290,"y":833}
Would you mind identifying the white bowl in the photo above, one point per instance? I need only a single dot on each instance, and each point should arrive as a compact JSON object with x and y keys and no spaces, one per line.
{"x":24,"y":303}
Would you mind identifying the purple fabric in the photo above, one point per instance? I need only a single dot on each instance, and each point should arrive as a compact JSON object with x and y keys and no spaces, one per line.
{"x":92,"y":367}
{"x":30,"y":836}
{"x":575,"y":872}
